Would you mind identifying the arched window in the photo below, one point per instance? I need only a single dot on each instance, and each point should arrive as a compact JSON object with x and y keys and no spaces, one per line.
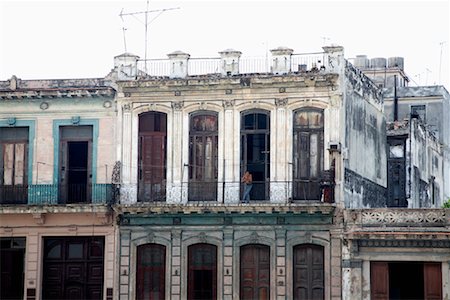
{"x":203,"y":156}
{"x":307,"y":153}
{"x":151,"y":267}
{"x":152,"y":156}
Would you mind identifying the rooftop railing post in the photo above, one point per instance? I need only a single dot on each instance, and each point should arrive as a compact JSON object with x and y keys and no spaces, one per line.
{"x":178,"y":64}
{"x":281,"y":60}
{"x":230,"y":62}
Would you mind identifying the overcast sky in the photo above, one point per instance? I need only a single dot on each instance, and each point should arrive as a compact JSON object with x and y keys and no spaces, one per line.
{"x":76,"y":39}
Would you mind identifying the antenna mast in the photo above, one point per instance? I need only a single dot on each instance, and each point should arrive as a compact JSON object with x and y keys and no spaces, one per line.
{"x":146,"y":23}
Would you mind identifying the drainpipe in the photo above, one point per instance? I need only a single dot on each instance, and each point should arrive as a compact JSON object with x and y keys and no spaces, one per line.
{"x":395,"y":100}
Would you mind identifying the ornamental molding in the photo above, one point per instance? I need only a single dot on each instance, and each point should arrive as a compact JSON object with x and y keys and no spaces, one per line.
{"x":177,"y":105}
{"x":405,"y":243}
{"x":282,"y":102}
{"x":403,"y":217}
{"x":228,"y":104}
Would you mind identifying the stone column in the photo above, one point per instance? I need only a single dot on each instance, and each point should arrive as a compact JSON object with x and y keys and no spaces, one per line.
{"x":351,"y":272}
{"x":175,"y":187}
{"x":231,"y":186}
{"x":175,"y":289}
{"x":279,"y":163}
{"x":230,"y":62}
{"x":281,"y":264}
{"x":178,"y":64}
{"x":32,"y":258}
{"x":228,"y":264}
{"x":124,"y":265}
{"x":128,"y":191}
{"x":281,"y":60}
{"x":336,"y":269}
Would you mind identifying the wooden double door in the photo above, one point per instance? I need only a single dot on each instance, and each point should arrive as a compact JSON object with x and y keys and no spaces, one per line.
{"x":73,"y":268}
{"x":405,"y":280}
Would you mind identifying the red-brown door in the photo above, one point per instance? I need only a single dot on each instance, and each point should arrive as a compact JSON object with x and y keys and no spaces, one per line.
{"x":379,"y":280}
{"x":202,"y":272}
{"x":432,"y":276}
{"x":255,"y":272}
{"x":152,"y":156}
{"x":151,"y":266}
{"x":308,"y":272}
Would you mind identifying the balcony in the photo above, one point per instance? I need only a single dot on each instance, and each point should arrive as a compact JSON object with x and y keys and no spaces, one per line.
{"x":301,"y":63}
{"x":37,"y":194}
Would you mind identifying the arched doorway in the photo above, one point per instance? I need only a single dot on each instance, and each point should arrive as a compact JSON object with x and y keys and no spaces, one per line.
{"x":254,"y":272}
{"x":150,"y":273}
{"x":202,"y":272}
{"x":308,"y":272}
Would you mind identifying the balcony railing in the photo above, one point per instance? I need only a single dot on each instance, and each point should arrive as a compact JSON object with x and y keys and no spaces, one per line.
{"x":36,"y":194}
{"x":302,"y":62}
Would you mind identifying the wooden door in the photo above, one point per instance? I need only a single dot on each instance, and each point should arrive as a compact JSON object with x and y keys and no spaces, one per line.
{"x":151,"y":266}
{"x":255,"y":272}
{"x":379,"y":280}
{"x":308,"y":153}
{"x":432,"y":281}
{"x":202,"y":272}
{"x":12,"y":261}
{"x":308,"y":272}
{"x":152,"y":170}
{"x":73,"y":268}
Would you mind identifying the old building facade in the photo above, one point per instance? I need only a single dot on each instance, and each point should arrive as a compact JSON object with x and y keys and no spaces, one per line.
{"x":130,"y":186}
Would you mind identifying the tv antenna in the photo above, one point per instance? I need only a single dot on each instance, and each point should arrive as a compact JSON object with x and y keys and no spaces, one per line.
{"x":146,"y":23}
{"x":440,"y":60}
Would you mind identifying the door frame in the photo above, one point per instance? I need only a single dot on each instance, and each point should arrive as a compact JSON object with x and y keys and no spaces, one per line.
{"x":243,"y":150}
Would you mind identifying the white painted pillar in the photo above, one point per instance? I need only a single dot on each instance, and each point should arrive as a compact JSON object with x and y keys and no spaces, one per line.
{"x":278,"y":150}
{"x":230,"y":146}
{"x":128,"y":193}
{"x":174,"y":187}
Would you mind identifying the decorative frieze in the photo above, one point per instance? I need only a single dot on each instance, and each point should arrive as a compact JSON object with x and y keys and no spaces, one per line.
{"x":418,"y":217}
{"x":405,"y":243}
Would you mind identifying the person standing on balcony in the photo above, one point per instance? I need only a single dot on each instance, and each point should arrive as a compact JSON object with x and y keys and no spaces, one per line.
{"x":248,"y":184}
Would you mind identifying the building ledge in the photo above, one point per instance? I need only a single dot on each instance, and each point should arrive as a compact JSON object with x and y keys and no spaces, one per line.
{"x":64,"y":208}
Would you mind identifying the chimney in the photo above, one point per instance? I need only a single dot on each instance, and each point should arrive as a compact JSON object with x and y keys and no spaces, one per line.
{"x":281,"y":60}
{"x":230,"y":62}
{"x":178,"y":64}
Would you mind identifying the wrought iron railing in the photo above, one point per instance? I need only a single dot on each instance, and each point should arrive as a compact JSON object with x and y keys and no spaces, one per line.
{"x":36,"y":194}
{"x":152,"y":192}
{"x":13,"y":194}
{"x":202,"y":191}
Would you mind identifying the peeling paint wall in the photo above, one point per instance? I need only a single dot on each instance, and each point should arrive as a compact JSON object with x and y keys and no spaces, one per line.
{"x":365,"y":142}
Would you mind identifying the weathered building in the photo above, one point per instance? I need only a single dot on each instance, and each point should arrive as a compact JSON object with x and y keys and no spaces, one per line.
{"x":130,"y":186}
{"x":188,"y":136}
{"x":56,"y":158}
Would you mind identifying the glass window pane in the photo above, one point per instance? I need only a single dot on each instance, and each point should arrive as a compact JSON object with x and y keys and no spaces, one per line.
{"x":313,"y":155}
{"x":76,"y":250}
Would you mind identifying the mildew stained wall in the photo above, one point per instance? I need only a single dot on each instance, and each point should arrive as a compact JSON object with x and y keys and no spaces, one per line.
{"x":365,"y":142}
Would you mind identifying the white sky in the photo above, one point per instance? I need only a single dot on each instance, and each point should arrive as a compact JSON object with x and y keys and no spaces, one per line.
{"x":77,"y":39}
